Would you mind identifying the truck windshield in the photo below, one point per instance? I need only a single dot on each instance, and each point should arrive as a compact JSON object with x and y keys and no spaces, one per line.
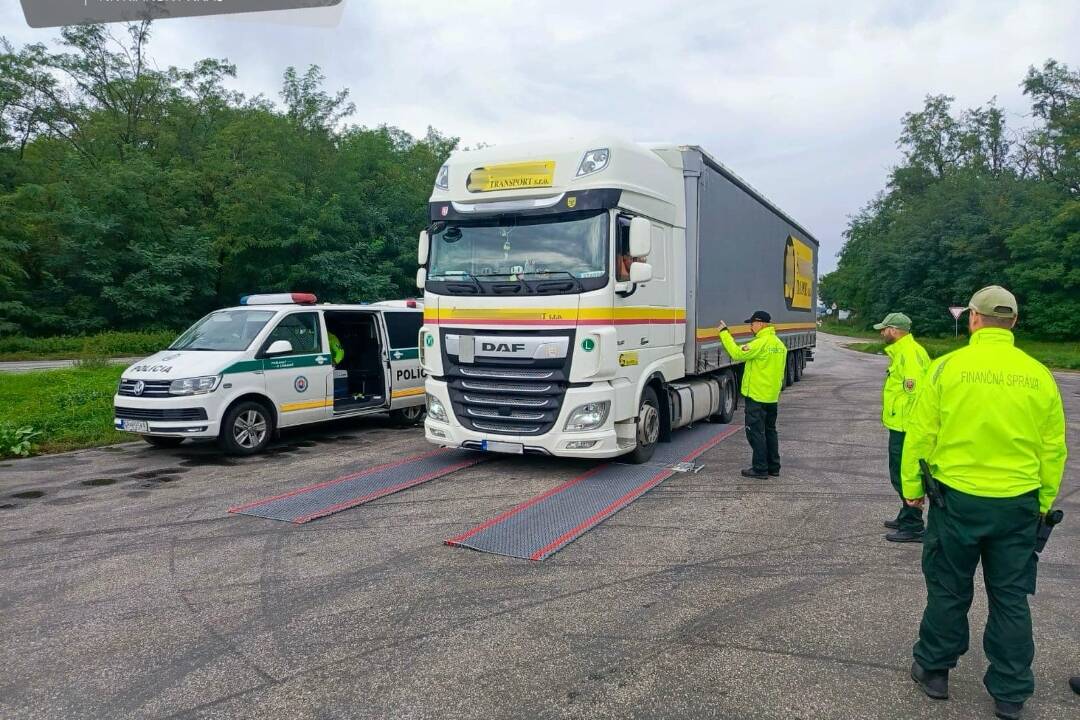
{"x":228,"y":330}
{"x":509,"y":247}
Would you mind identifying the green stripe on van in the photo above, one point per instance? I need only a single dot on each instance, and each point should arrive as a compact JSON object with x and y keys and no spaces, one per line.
{"x":279,"y":363}
{"x":405,"y":353}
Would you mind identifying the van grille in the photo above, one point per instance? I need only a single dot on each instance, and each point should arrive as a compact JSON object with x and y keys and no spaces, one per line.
{"x":151,"y":388}
{"x":163,"y":414}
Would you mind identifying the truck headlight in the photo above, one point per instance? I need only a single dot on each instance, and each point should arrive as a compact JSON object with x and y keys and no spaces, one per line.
{"x":194,"y":386}
{"x":588,"y":416}
{"x":442,"y":180}
{"x":593,"y":161}
{"x":435,"y":409}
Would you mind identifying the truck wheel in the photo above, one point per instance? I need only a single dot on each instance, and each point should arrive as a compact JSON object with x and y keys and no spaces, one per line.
{"x":407,"y":417}
{"x":789,"y":370}
{"x":246,"y":429}
{"x":648,"y":428}
{"x":728,"y":398}
{"x":163,"y":442}
{"x":797,"y":365}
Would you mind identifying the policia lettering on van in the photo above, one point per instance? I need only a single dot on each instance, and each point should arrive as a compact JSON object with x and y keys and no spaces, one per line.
{"x":280,"y":360}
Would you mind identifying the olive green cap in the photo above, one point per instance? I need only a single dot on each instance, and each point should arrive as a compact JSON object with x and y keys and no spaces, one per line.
{"x":994,"y":301}
{"x":900,"y":321}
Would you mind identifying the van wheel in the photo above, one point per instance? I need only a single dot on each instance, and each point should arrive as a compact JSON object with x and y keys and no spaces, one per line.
{"x":728,"y":398}
{"x":163,"y":442}
{"x":648,"y":428}
{"x":246,"y":429}
{"x":407,"y":417}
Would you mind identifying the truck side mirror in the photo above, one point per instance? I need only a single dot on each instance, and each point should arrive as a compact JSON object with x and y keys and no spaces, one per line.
{"x":422,"y":251}
{"x":421,"y":277}
{"x":640,"y":272}
{"x":279,"y":347}
{"x":640,"y":237}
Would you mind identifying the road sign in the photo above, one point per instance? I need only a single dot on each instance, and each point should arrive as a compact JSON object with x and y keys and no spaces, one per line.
{"x":834,"y":306}
{"x":956,"y":312}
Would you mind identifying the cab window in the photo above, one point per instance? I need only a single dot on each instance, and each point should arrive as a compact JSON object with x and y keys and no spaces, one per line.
{"x":622,"y":248}
{"x":300,"y":329}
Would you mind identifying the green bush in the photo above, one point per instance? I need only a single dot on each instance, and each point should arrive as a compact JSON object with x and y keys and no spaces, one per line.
{"x":16,"y":441}
{"x":102,"y":345}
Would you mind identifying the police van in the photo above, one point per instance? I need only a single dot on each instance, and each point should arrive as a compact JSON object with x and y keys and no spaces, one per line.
{"x":275,"y":361}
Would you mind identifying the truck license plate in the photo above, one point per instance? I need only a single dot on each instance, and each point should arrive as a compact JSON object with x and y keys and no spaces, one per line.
{"x":502,"y":447}
{"x":134,"y":426}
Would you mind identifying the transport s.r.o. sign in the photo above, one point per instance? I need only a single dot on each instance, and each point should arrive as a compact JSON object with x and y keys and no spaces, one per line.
{"x":53,"y":13}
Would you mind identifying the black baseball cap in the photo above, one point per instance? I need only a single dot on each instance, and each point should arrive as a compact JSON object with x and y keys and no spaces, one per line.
{"x":759,"y":316}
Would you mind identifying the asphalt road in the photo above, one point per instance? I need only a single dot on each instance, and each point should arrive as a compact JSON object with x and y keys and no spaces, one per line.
{"x":128,"y":592}
{"x":16,"y":366}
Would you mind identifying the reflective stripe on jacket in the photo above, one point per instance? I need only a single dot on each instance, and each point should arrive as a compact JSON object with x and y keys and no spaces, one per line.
{"x":908,"y":363}
{"x":989,"y":421}
{"x":765,"y":357}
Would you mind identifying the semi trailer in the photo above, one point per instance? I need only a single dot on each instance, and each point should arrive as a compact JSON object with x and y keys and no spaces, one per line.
{"x":572,"y":292}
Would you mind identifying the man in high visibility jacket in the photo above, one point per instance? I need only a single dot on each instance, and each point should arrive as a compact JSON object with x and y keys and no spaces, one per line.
{"x":337,"y":351}
{"x":989,"y":422}
{"x":907,"y":364}
{"x":765,"y":358}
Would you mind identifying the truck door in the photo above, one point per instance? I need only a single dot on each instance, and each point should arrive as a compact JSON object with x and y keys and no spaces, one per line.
{"x":406,"y":377}
{"x":645,"y":318}
{"x":297,"y":382}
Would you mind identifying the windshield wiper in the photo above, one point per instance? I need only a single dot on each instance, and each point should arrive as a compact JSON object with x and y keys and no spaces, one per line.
{"x":572,"y":276}
{"x":451,"y":277}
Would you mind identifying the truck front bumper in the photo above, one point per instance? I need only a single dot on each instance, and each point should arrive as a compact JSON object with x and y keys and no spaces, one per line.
{"x":191,"y":416}
{"x":599,"y":443}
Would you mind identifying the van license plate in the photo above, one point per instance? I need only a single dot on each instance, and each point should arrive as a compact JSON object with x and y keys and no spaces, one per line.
{"x":134,"y":426}
{"x":502,"y":447}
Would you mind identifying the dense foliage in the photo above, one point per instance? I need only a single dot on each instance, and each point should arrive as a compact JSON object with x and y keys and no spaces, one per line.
{"x":133,"y":197}
{"x":974,"y":203}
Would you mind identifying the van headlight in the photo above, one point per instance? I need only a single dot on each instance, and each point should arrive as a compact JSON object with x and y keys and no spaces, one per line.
{"x":435,"y":409}
{"x":588,"y":416}
{"x":194,"y":386}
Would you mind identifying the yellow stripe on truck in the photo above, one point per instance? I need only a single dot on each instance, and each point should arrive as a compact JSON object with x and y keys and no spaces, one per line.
{"x":639,"y":315}
{"x":711,"y":334}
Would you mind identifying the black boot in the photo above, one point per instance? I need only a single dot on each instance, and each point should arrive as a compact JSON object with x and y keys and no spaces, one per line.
{"x":892,"y":524}
{"x":752,"y":473}
{"x":901,"y":536}
{"x":935,"y":683}
{"x":1074,"y":683}
{"x":1008,"y":710}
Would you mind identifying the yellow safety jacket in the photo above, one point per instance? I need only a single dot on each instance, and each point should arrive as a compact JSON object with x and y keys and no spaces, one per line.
{"x":908,"y":363}
{"x":989,"y":421}
{"x":337,"y":352}
{"x":765,"y":357}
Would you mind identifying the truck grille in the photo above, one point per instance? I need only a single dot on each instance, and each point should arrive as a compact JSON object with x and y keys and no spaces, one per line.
{"x":151,"y":388}
{"x":508,"y":397}
{"x":125,"y":413}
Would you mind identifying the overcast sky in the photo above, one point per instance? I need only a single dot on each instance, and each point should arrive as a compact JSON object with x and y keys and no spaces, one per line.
{"x":803,"y":99}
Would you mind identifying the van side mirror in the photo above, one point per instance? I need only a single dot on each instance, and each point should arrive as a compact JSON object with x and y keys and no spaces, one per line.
{"x":422,"y":251}
{"x":421,"y":277}
{"x":640,"y":237}
{"x":279,"y":347}
{"x":640,"y":272}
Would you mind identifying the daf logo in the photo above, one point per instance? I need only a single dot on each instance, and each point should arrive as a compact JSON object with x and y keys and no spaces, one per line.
{"x":138,"y":387}
{"x":502,"y":347}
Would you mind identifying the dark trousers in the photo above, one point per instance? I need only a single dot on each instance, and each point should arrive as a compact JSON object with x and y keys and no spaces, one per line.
{"x":1001,"y":533}
{"x":761,"y":434}
{"x":910,"y":518}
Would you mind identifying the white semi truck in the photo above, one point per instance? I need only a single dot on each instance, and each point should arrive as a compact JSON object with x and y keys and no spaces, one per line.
{"x":572,"y":290}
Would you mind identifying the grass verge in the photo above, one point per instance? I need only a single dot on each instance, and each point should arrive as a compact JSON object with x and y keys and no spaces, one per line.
{"x":69,"y":409}
{"x":74,"y":347}
{"x":1056,"y":355}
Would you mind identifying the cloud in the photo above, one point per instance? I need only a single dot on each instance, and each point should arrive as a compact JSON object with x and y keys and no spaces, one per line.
{"x":802,"y":99}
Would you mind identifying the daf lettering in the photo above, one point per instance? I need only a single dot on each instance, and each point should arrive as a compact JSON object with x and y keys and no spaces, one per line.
{"x":502,"y":347}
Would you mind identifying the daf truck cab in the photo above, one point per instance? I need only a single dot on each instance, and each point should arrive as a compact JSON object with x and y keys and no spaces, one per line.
{"x":572,"y":291}
{"x":275,"y":361}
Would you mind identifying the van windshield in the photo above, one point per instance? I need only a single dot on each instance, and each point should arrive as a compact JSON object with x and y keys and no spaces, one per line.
{"x":224,"y":330}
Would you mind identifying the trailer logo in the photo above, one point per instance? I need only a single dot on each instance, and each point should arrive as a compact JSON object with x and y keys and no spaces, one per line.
{"x":798,"y":274}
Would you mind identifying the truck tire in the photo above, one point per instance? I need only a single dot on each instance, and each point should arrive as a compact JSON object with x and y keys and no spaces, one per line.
{"x":798,"y":364}
{"x":163,"y":442}
{"x":246,"y":428}
{"x":729,"y":397}
{"x":407,"y":417}
{"x":789,"y":370}
{"x":648,"y":428}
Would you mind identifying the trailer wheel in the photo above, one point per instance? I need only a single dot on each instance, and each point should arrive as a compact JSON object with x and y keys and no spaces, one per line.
{"x":798,"y":365}
{"x":648,"y":428}
{"x":789,"y":370}
{"x":729,"y":399}
{"x":246,"y":429}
